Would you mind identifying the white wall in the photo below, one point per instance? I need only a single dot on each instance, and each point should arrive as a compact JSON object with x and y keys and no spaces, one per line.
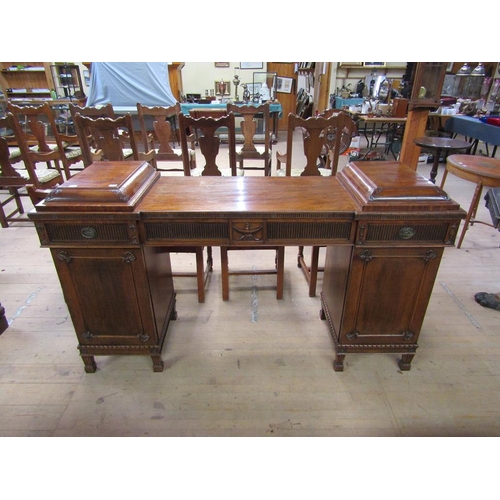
{"x":200,"y":76}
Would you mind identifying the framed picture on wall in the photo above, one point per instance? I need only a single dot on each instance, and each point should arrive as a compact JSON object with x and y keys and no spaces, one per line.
{"x":221,"y":64}
{"x":254,"y":88}
{"x":251,"y":65}
{"x":284,"y":85}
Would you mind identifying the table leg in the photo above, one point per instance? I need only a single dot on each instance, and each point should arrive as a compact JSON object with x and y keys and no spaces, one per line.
{"x":275,"y":128}
{"x":435,"y":165}
{"x":472,"y":211}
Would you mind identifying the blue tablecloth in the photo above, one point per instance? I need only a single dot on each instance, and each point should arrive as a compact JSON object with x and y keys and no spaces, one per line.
{"x":187,"y":106}
{"x":352,"y":101}
{"x":473,"y":128}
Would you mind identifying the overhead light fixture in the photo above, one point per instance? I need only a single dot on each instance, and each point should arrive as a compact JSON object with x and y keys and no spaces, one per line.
{"x":479,"y":70}
{"x":464,"y":70}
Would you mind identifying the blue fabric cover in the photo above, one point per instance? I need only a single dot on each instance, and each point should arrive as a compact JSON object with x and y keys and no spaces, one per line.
{"x":127,"y":83}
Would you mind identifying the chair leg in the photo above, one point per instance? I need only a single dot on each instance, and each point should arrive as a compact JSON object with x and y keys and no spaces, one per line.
{"x":200,"y":275}
{"x":313,"y":271}
{"x":310,"y":272}
{"x":224,"y":273}
{"x":280,"y":268}
{"x":210,"y":260}
{"x":13,"y":196}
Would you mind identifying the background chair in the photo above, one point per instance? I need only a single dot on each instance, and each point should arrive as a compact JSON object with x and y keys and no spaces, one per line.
{"x":70,"y":153}
{"x":105,"y":134}
{"x":104,"y":111}
{"x":25,"y":175}
{"x":320,"y":140}
{"x":159,"y":129}
{"x":10,"y":179}
{"x":209,"y":143}
{"x":326,"y":136}
{"x":253,"y":116}
{"x":31,"y":136}
{"x":42,"y":132}
{"x":207,"y":130}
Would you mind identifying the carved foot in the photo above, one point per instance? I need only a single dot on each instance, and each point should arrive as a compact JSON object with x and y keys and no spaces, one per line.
{"x":157,"y":363}
{"x":322,"y":314}
{"x":405,"y":362}
{"x":338,"y":363}
{"x":90,"y":366}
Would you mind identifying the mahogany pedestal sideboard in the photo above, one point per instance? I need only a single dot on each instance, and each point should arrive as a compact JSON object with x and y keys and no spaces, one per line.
{"x":109,"y":226}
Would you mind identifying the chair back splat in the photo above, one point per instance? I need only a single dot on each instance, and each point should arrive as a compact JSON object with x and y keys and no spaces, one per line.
{"x":207,"y":132}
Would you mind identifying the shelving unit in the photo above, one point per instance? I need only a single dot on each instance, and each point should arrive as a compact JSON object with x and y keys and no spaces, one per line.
{"x":21,"y":81}
{"x":68,"y":81}
{"x":353,"y":72}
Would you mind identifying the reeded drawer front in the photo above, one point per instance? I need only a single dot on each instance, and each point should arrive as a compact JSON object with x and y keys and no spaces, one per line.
{"x":310,"y":231}
{"x":407,"y":232}
{"x":185,"y":231}
{"x":86,"y":233}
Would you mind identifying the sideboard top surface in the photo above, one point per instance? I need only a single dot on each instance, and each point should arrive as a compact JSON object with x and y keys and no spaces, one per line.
{"x":136,"y":187}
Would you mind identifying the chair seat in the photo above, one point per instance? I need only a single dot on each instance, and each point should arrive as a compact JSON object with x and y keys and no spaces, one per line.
{"x":14,"y":153}
{"x":178,"y":152}
{"x":259,"y":150}
{"x":281,"y":172}
{"x":196,"y":172}
{"x":44,"y":175}
{"x":73,"y":153}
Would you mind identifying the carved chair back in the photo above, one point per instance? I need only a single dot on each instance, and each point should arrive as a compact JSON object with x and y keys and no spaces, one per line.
{"x":160,"y":132}
{"x":31,"y":125}
{"x":105,"y":135}
{"x":256,"y":146}
{"x":207,"y":131}
{"x":318,"y":134}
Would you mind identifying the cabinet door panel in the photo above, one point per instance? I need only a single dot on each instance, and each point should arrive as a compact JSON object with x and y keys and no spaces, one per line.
{"x":388,"y":294}
{"x":123,"y":312}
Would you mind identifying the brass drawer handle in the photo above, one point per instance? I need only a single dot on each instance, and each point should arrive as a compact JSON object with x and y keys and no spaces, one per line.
{"x":89,"y":233}
{"x":406,"y":233}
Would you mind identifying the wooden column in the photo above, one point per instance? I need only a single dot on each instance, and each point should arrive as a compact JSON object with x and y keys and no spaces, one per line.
{"x":175,"y":77}
{"x":415,"y":127}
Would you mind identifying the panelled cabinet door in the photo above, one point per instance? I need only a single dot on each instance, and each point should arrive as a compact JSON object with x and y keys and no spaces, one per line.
{"x":388,"y":294}
{"x":121,"y":316}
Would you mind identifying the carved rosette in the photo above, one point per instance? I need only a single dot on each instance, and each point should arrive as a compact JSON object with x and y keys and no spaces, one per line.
{"x":64,"y":256}
{"x":129,"y":257}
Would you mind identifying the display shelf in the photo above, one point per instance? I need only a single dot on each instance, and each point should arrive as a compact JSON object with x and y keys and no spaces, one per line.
{"x":25,"y":79}
{"x":67,"y":81}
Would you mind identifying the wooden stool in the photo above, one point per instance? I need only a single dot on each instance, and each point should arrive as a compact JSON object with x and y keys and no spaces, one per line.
{"x":438,"y":144}
{"x":481,"y":170}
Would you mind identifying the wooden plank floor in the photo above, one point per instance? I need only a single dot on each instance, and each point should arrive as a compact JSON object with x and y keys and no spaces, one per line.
{"x":252,"y":366}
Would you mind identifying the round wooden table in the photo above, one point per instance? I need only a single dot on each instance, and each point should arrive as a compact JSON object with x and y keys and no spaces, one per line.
{"x":483,"y":171}
{"x":438,"y":144}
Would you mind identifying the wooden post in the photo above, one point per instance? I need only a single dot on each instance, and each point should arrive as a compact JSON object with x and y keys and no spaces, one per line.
{"x":416,"y":124}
